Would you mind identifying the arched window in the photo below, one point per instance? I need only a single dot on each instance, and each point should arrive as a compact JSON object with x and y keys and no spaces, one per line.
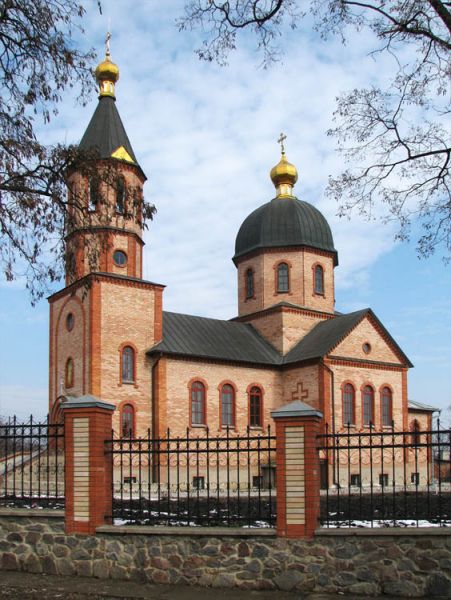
{"x":249,"y":283}
{"x":227,"y":406}
{"x":386,"y":407}
{"x":197,"y":403}
{"x":368,"y":405}
{"x":120,"y":195}
{"x":93,"y":193}
{"x":128,"y":421}
{"x":128,"y":365}
{"x":415,"y":429}
{"x":319,"y":279}
{"x":71,"y":265}
{"x":348,"y":405}
{"x":255,"y":407}
{"x":283,"y":283}
{"x":69,"y":374}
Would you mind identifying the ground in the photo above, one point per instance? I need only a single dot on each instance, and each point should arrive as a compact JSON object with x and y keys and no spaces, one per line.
{"x":26,"y":586}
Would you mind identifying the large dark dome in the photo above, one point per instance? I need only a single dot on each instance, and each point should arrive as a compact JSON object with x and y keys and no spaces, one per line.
{"x":284,"y":222}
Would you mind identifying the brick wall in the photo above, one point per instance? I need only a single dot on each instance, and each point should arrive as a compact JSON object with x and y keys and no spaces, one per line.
{"x":366,"y":332}
{"x":301,"y":263}
{"x":180,"y":373}
{"x":73,"y":344}
{"x":103,"y":325}
{"x":284,"y":327}
{"x":361,"y":376}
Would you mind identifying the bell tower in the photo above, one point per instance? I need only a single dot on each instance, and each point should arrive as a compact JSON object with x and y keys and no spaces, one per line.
{"x":107,"y":316}
{"x":105,"y":189}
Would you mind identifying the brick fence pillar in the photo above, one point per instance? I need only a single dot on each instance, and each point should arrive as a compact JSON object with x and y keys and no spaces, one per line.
{"x":87,"y":424}
{"x":298,"y":469}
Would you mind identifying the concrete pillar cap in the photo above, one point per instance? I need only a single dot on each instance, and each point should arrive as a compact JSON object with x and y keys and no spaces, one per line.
{"x":86,"y":401}
{"x":296,"y":409}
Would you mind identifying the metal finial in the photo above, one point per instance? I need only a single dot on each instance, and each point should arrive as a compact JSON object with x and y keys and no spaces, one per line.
{"x":107,"y":43}
{"x":280,"y":141}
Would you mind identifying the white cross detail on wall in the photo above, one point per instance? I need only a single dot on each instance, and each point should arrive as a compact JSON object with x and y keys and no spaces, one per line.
{"x":300,"y":393}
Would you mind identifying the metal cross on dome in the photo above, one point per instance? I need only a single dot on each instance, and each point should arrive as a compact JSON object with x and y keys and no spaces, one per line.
{"x":107,"y":42}
{"x":280,"y":141}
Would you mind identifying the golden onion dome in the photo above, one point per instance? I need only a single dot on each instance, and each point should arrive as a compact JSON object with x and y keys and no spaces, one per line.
{"x":107,"y":72}
{"x":284,"y":175}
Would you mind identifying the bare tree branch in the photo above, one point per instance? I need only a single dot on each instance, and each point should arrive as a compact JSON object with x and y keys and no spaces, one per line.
{"x":395,"y":140}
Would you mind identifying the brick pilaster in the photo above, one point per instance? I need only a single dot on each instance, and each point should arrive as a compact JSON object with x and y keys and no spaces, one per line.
{"x":88,"y":423}
{"x":298,"y":469}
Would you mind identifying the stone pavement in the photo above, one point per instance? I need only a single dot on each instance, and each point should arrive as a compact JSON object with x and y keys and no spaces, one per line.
{"x":26,"y":586}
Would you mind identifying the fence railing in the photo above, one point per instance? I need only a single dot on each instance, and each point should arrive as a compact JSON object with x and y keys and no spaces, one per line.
{"x":226,"y":480}
{"x":385,"y":478}
{"x":31,"y":464}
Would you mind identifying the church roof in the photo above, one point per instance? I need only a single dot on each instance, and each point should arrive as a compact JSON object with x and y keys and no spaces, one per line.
{"x":106,"y":133}
{"x":414,"y":405}
{"x":325,"y":336}
{"x":187,"y":335}
{"x":284,"y":222}
{"x":201,"y":337}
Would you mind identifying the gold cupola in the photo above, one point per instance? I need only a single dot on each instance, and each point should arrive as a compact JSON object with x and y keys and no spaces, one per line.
{"x":107,"y":72}
{"x":284,"y":175}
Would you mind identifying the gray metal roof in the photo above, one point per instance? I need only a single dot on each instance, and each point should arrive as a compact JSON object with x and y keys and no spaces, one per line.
{"x":414,"y":405}
{"x":105,"y":132}
{"x":324,"y":336}
{"x":186,"y":335}
{"x":284,"y":222}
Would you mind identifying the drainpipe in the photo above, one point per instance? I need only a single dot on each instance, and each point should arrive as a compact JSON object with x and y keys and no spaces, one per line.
{"x":332,"y":397}
{"x":154,"y":408}
{"x":154,"y":475}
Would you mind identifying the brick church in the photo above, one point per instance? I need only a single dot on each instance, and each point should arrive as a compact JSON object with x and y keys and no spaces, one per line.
{"x":111,"y":338}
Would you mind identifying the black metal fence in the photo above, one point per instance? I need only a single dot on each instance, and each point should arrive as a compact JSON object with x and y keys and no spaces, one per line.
{"x":385,"y":478}
{"x":31,"y":464}
{"x":226,"y":480}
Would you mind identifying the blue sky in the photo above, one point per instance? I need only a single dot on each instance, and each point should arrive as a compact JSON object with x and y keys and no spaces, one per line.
{"x":206,"y":138}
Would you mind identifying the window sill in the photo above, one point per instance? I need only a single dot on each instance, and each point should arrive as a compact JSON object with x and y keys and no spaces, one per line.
{"x":256,"y":427}
{"x":198,"y":426}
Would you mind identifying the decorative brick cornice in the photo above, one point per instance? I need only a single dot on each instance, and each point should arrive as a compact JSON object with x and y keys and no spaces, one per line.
{"x":125,"y":166}
{"x":110,"y":277}
{"x":105,"y":229}
{"x":273,"y":250}
{"x":285,"y":308}
{"x":370,"y":364}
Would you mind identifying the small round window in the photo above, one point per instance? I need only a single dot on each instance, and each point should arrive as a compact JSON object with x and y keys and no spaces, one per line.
{"x":120,"y":258}
{"x":70,"y":322}
{"x":366,"y":347}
